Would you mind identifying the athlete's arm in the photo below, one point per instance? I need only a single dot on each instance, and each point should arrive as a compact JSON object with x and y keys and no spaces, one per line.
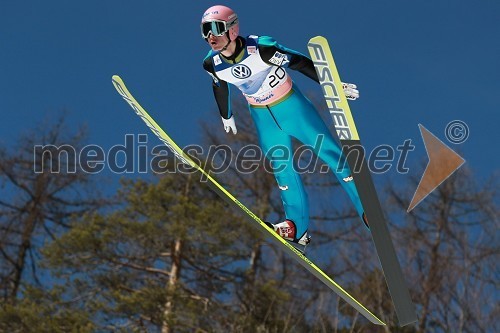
{"x":221,"y":90}
{"x":275,"y":54}
{"x":222,"y":97}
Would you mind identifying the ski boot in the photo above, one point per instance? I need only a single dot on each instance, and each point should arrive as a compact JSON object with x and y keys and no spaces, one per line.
{"x":287,"y":230}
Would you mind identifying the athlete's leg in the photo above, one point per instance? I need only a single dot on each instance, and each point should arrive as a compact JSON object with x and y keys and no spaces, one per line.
{"x":299,"y":118}
{"x":277,"y":147}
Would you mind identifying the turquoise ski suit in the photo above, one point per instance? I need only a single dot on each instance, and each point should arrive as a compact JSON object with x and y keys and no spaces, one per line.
{"x":280,"y":111}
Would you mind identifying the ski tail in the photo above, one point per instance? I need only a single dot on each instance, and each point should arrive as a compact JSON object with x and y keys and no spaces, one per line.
{"x":346,"y":130}
{"x":232,"y":201}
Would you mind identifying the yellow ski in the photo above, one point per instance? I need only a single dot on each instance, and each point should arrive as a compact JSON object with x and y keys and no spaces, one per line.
{"x":228,"y":197}
{"x":342,"y":118}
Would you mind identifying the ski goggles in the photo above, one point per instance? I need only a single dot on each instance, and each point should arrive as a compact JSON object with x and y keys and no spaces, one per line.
{"x":216,"y":28}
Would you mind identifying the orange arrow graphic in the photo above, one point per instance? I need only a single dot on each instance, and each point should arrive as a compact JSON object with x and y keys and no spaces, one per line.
{"x":443,"y":162}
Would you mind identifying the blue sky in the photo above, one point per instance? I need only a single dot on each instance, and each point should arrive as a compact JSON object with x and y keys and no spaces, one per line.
{"x":427,"y":62}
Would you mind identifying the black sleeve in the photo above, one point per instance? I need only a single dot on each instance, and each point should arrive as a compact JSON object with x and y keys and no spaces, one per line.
{"x":273,"y":54}
{"x":221,"y":90}
{"x":304,"y":65}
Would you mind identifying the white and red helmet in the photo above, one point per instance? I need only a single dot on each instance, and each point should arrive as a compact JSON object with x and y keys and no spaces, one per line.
{"x":218,"y":20}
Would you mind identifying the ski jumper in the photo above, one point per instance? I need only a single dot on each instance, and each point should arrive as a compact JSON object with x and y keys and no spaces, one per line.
{"x":280,"y":111}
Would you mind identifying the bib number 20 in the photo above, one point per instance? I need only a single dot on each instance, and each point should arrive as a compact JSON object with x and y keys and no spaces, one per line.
{"x":279,"y":74}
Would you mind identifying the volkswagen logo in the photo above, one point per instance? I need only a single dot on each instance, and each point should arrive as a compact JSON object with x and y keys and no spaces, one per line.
{"x":241,"y":71}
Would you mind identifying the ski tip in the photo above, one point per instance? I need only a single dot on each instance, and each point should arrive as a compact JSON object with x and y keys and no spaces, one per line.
{"x":317,"y":39}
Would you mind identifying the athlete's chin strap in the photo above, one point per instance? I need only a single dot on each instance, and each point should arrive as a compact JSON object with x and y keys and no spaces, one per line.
{"x":228,"y":42}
